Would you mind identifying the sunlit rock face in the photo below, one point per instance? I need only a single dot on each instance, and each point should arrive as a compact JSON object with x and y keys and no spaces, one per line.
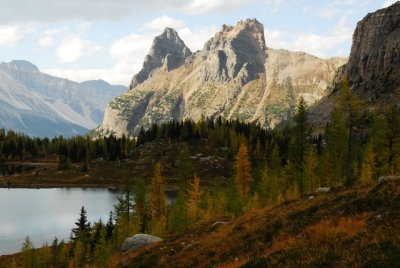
{"x":234,"y":76}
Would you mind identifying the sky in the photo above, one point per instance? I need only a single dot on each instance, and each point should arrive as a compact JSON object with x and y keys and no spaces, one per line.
{"x":108,"y":39}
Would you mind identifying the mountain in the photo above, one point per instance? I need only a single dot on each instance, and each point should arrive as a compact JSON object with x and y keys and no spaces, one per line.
{"x":373,"y":69}
{"x":234,"y":76}
{"x":42,"y":105}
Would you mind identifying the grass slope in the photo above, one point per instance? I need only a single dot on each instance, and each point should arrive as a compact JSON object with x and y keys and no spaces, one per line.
{"x":356,"y":227}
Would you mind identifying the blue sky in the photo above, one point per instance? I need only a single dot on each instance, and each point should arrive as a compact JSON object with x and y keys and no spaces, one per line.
{"x":104,"y":39}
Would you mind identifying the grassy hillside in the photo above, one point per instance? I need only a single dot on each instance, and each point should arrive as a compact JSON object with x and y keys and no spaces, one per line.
{"x":355,"y":227}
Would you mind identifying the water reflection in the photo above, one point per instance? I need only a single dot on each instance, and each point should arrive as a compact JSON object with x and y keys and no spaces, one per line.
{"x":45,"y":213}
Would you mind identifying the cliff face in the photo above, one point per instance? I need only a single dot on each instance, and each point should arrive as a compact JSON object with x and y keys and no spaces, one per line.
{"x":373,"y":69}
{"x":374,"y":63}
{"x":234,"y":76}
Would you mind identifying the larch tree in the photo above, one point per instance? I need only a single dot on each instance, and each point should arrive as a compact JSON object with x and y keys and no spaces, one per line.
{"x":243,"y":177}
{"x":350,"y":107}
{"x":156,"y":202}
{"x":368,"y":166}
{"x":193,"y":203}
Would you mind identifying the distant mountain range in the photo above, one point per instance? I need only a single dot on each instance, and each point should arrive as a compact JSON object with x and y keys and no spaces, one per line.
{"x":42,"y":105}
{"x":234,"y":76}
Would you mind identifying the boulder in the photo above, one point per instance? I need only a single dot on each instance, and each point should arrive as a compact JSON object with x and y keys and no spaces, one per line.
{"x":322,"y":189}
{"x":138,"y":241}
{"x":383,"y":179}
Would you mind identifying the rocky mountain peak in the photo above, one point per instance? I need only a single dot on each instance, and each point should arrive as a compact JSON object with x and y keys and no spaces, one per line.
{"x":236,"y":52}
{"x":375,"y":54}
{"x":22,"y":66}
{"x":167,"y":51}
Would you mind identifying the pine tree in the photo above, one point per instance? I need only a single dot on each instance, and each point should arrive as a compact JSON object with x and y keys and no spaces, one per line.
{"x":194,"y":200}
{"x":243,"y":177}
{"x":82,"y":229}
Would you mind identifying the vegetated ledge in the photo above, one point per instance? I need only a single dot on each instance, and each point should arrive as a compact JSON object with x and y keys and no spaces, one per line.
{"x":353,"y":227}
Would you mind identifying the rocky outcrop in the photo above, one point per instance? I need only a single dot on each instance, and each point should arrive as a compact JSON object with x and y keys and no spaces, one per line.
{"x":373,"y":69}
{"x":374,"y":63}
{"x":375,"y":53}
{"x":168,"y":51}
{"x":138,"y":241}
{"x":234,"y":76}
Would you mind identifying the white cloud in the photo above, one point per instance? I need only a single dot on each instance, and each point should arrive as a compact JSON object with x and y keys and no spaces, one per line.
{"x":10,"y":35}
{"x":46,"y":41}
{"x":73,"y":48}
{"x":161,"y":22}
{"x":387,"y":3}
{"x":319,"y":45}
{"x":206,"y":6}
{"x":90,"y":10}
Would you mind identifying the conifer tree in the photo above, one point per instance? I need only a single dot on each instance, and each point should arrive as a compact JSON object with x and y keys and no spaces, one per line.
{"x":310,"y":168}
{"x":193,"y":204}
{"x":368,"y":166}
{"x":28,"y":253}
{"x":243,"y":177}
{"x":156,"y":202}
{"x":185,"y":168}
{"x":350,"y":107}
{"x":156,"y":193}
{"x":300,"y":144}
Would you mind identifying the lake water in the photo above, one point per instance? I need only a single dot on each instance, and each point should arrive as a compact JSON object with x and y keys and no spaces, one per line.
{"x":45,"y":213}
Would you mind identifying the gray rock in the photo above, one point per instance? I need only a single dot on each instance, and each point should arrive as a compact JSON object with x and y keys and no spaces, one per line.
{"x":234,"y":76}
{"x":168,"y":51}
{"x":138,"y":241}
{"x":374,"y":63}
{"x":322,"y":189}
{"x":383,"y":179}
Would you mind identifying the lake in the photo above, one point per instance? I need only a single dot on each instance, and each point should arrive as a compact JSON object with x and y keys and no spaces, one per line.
{"x":45,"y":213}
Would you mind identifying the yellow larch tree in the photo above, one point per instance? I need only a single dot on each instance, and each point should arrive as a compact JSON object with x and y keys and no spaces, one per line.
{"x":243,"y":178}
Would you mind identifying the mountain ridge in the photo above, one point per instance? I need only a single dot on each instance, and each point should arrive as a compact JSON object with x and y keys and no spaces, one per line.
{"x":59,"y":106}
{"x":234,"y":76}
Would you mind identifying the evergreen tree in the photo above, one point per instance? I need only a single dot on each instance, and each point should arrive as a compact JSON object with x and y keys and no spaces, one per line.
{"x":82,"y":229}
{"x":300,"y":144}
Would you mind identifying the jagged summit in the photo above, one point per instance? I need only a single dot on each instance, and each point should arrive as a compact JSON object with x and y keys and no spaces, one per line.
{"x":234,"y":76}
{"x":234,"y":51}
{"x":22,"y":65}
{"x":168,"y":51}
